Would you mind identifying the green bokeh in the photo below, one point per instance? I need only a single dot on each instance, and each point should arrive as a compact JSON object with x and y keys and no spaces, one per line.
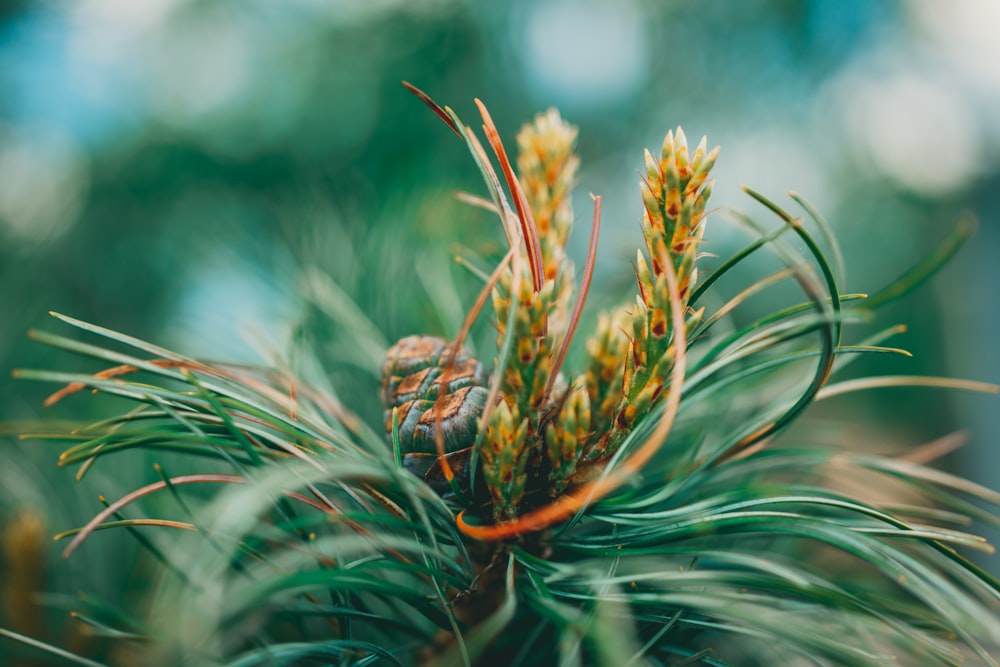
{"x":187,"y":172}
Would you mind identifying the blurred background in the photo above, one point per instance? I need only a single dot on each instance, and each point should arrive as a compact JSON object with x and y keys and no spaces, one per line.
{"x":225,"y":178}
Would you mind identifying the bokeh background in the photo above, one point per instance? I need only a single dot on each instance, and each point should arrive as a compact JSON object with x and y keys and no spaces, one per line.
{"x":226,"y":178}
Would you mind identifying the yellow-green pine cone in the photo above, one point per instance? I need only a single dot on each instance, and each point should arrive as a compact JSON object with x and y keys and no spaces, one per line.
{"x":603,"y":377}
{"x":503,"y":457}
{"x":530,"y":363}
{"x":675,"y":193}
{"x":547,"y":166}
{"x":566,"y":437}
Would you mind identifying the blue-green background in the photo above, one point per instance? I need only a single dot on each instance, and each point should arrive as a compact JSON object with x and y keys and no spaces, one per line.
{"x":173,"y":169}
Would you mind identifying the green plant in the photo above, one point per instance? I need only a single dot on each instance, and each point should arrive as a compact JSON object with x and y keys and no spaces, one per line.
{"x":641,"y":511}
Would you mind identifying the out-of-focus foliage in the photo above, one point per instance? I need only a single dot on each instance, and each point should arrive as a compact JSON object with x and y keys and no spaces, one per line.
{"x":165,"y":168}
{"x":712,"y":543}
{"x":191,"y":172}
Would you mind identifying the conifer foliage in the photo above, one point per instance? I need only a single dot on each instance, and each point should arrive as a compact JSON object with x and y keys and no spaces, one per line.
{"x":647,"y":507}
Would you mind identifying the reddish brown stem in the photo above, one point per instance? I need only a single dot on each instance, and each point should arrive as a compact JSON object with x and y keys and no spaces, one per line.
{"x":434,"y":106}
{"x":588,"y":273}
{"x":116,"y":371}
{"x":156,"y":486}
{"x":528,"y":228}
